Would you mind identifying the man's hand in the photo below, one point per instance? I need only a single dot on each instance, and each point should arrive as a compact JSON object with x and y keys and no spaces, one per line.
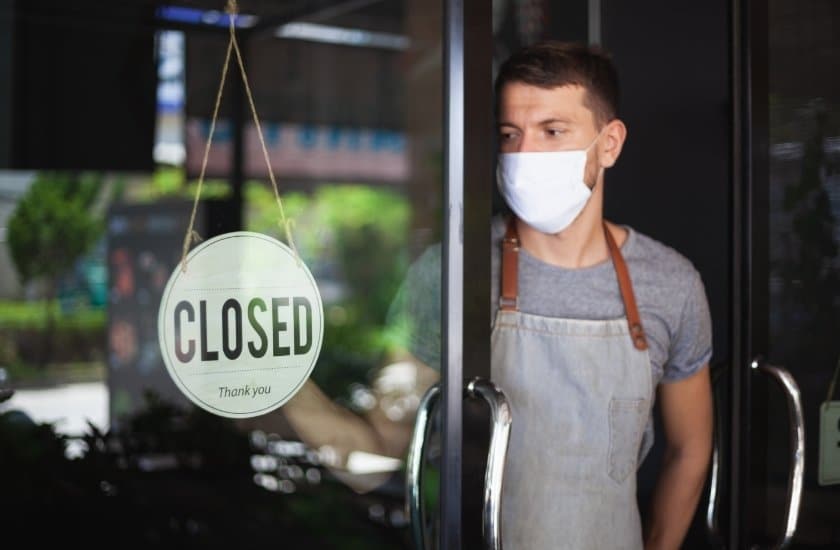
{"x":686,"y":408}
{"x":319,"y":421}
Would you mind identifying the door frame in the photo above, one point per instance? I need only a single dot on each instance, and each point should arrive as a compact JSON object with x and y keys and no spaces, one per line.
{"x":750,"y":257}
{"x":468,"y":177}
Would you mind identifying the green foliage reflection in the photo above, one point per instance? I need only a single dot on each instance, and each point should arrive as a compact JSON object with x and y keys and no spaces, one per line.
{"x":354,"y":239}
{"x":51,"y":227}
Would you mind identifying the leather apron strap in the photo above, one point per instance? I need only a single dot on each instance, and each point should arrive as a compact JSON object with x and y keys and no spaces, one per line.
{"x":509,"y":300}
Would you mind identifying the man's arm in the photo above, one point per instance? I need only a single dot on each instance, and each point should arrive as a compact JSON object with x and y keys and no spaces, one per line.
{"x":686,"y":408}
{"x":319,"y":421}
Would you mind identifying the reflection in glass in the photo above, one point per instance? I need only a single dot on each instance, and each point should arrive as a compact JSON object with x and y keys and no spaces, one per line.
{"x":803,"y":235}
{"x":355,"y":137}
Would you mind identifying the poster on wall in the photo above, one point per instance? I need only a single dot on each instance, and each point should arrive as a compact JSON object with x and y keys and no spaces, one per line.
{"x":142,"y":247}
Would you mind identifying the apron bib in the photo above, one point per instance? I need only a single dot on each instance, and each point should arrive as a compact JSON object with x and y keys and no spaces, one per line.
{"x":581,"y":394}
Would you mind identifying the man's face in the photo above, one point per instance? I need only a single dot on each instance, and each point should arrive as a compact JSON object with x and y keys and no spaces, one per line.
{"x":533,"y":119}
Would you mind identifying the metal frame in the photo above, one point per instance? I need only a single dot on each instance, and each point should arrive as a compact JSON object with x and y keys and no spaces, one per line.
{"x":468,"y":176}
{"x":750,"y":298}
{"x":740,"y":269}
{"x":594,"y":21}
{"x":453,"y":276}
{"x":7,"y":71}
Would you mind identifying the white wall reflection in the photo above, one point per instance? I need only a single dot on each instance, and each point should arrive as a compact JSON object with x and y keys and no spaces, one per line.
{"x":68,"y":407}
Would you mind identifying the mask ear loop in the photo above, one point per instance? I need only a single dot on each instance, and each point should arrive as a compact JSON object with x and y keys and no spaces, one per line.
{"x":594,"y":141}
{"x":600,"y":168}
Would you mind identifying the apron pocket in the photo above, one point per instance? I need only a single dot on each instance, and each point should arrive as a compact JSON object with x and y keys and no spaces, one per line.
{"x":627,"y":422}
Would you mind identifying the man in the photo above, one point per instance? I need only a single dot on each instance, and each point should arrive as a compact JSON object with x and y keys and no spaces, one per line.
{"x":590,"y":318}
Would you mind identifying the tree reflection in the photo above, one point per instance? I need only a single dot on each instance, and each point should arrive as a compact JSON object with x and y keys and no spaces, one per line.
{"x":808,"y":266}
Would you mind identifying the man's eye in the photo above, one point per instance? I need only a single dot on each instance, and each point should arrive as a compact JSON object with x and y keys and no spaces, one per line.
{"x":554,"y":132}
{"x":506,"y":136}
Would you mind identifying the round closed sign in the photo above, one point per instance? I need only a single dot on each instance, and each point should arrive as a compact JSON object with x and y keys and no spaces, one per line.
{"x":241,"y":329}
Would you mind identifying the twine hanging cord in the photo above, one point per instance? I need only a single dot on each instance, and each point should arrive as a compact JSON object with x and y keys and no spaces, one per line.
{"x":191,"y":236}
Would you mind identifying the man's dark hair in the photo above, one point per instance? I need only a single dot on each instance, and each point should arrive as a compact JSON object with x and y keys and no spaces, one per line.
{"x":553,"y":64}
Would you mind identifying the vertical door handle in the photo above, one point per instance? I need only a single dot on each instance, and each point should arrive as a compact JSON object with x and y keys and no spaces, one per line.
{"x":712,"y":524}
{"x":494,"y":476}
{"x":797,"y":440}
{"x":714,"y":488}
{"x":414,"y":467}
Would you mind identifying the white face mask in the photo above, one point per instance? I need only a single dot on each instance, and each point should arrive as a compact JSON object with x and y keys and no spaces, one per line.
{"x":545,"y":190}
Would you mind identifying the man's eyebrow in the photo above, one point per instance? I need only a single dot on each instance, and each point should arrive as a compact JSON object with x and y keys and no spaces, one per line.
{"x":548,"y":121}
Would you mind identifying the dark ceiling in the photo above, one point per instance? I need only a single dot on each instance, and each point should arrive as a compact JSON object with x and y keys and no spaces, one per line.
{"x":83,"y":73}
{"x":376,"y":15}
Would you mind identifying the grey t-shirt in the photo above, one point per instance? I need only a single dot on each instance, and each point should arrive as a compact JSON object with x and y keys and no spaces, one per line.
{"x":669,"y":293}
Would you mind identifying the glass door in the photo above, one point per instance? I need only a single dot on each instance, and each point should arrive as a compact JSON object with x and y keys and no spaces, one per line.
{"x":792,"y":492}
{"x":363,"y":112}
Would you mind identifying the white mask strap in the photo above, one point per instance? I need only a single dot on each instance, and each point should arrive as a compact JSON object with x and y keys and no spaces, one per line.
{"x":596,"y":139}
{"x":600,"y":168}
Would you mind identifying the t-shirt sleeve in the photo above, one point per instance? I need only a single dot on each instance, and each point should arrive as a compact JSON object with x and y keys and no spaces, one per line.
{"x":691,"y":345}
{"x":414,"y":316}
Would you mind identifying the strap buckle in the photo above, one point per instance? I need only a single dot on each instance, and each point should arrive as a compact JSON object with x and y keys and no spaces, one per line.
{"x":637,"y":333}
{"x":511,"y":242}
{"x":509,"y":304}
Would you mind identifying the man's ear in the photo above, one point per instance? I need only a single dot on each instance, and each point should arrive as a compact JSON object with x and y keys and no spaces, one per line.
{"x":609,"y":148}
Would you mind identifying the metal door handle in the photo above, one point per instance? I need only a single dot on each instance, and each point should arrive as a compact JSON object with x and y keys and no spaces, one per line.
{"x":414,"y":463}
{"x":797,"y":439}
{"x":494,"y":476}
{"x":711,"y":510}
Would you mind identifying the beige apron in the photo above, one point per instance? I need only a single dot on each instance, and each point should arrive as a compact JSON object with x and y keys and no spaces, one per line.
{"x":581,"y":394}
